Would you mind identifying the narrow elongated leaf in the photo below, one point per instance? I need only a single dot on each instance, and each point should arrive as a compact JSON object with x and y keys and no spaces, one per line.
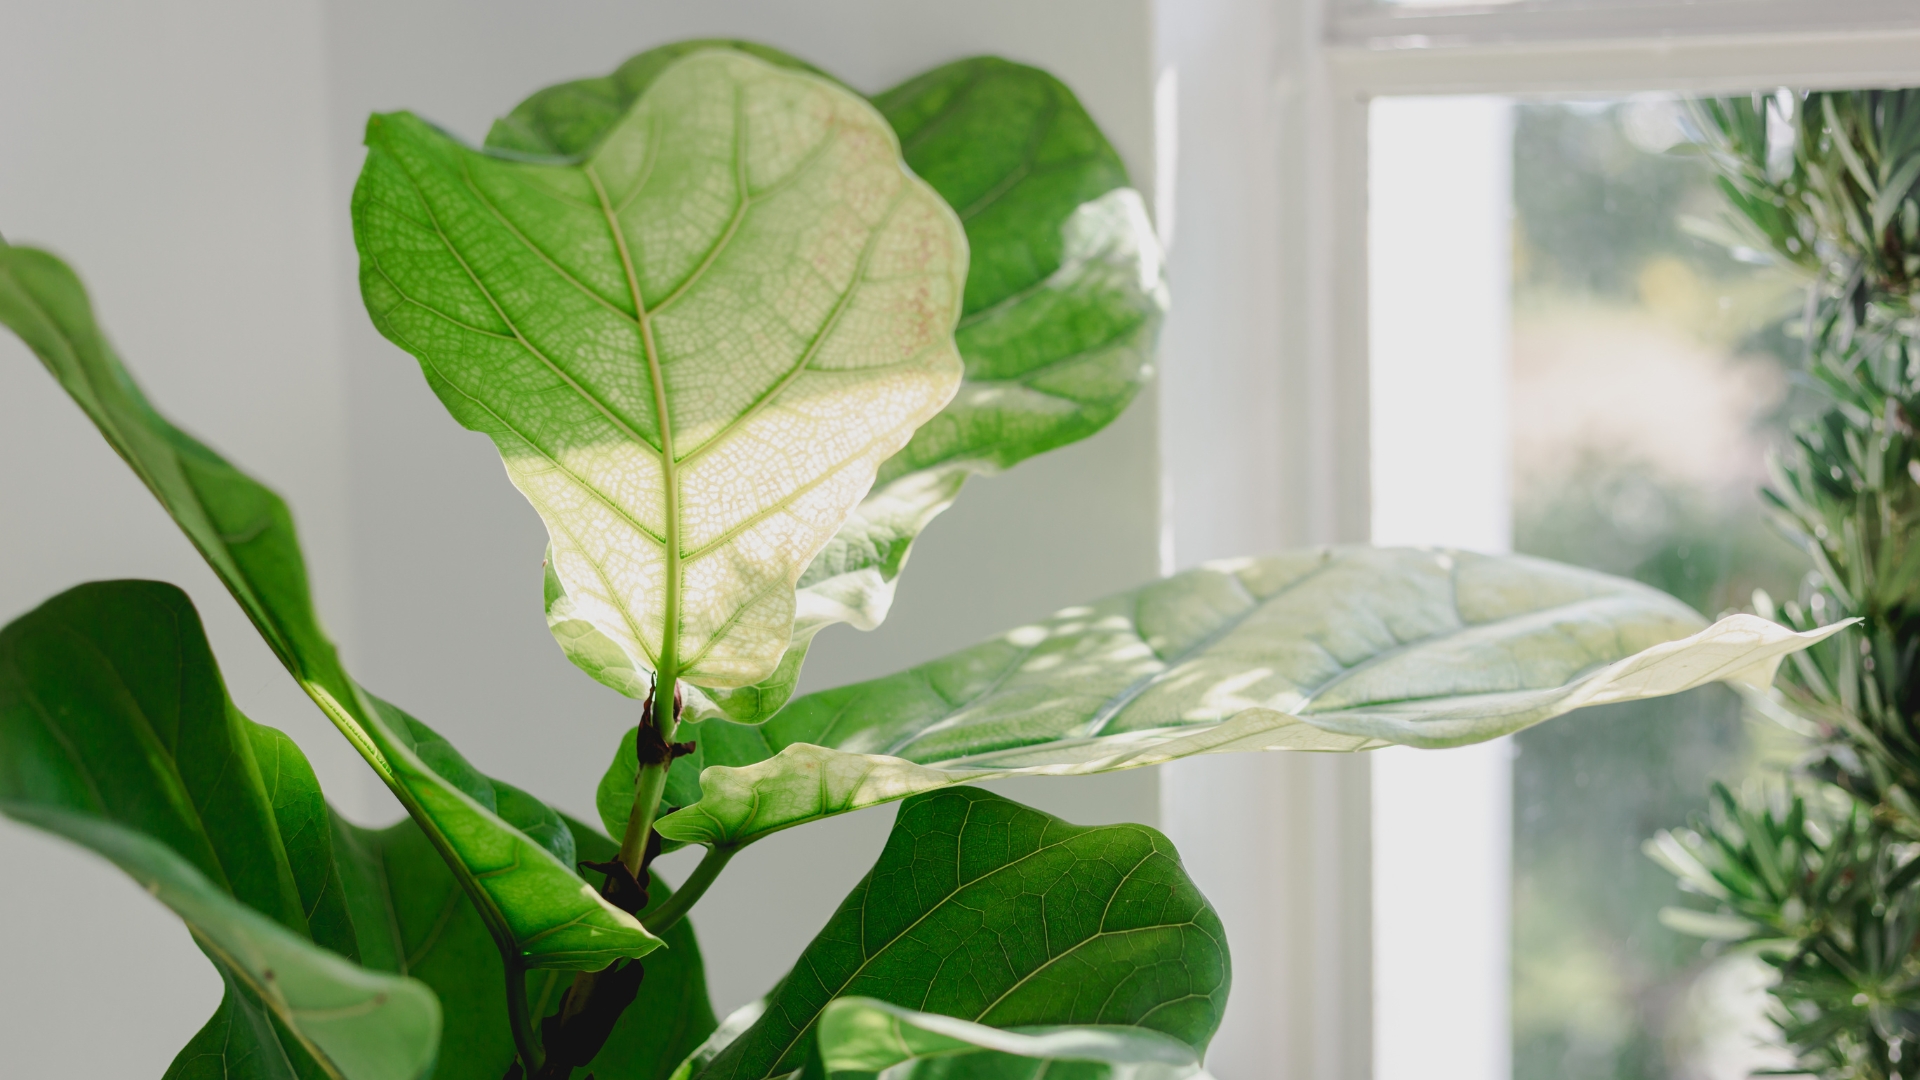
{"x":862,"y":1036}
{"x":420,"y":923}
{"x":996,"y":913}
{"x":534,"y":904}
{"x":1329,"y":649}
{"x":693,"y":347}
{"x":116,"y":732}
{"x":1063,"y":304}
{"x":360,"y":1024}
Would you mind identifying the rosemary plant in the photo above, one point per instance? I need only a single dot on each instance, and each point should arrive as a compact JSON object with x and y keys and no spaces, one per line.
{"x":1818,"y":875}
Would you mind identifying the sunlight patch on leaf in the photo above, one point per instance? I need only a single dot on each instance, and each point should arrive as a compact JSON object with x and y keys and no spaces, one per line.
{"x":1327,"y":650}
{"x":694,"y":347}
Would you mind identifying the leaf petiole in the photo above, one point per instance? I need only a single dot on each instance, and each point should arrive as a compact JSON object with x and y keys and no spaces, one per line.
{"x":690,"y":891}
{"x":654,"y":747}
{"x":519,"y":1018}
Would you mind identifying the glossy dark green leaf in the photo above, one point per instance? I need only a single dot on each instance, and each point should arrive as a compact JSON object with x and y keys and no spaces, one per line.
{"x":1326,"y":649}
{"x":346,"y":1020}
{"x":116,"y":732}
{"x":534,"y":904}
{"x":862,"y":1037}
{"x":416,"y":920}
{"x":986,"y":910}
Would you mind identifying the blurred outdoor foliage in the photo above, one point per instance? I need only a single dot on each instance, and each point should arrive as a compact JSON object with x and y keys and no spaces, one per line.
{"x":1650,"y":377}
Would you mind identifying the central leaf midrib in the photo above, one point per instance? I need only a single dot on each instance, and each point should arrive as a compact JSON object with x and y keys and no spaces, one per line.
{"x":549,"y":456}
{"x":667,"y":669}
{"x":1114,"y":705}
{"x":1347,"y":673}
{"x":565,"y":376}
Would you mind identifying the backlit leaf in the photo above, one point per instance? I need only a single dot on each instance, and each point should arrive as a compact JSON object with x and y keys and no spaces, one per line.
{"x":1328,"y":649}
{"x":1064,"y":299}
{"x":693,"y":346}
{"x":861,"y":1036}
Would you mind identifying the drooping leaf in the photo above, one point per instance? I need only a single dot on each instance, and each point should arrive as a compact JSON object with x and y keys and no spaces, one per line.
{"x":1063,"y":304}
{"x":116,"y":732}
{"x":693,"y":347}
{"x":429,"y":929}
{"x":860,"y":1037}
{"x":360,"y":1024}
{"x":1329,"y":649}
{"x":534,"y":904}
{"x":111,"y":705}
{"x":992,"y":912}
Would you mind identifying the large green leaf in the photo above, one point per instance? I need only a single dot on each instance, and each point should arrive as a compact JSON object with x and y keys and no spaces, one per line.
{"x":693,"y":347}
{"x":421,"y":924}
{"x":535,"y":905}
{"x":860,"y":1037}
{"x":352,"y":1023}
{"x":1065,"y":297}
{"x":569,"y":119}
{"x":996,"y":913}
{"x":1328,"y":649}
{"x":1063,"y":305}
{"x":116,"y":732}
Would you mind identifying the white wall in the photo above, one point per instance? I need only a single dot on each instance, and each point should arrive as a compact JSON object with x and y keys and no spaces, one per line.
{"x":195,"y":163}
{"x":171,"y":153}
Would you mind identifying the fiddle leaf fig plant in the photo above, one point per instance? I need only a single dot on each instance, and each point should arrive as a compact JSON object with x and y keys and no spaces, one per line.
{"x":739,"y":336}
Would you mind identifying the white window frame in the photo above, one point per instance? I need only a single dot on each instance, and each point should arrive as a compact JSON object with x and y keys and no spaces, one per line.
{"x":1287,"y":838}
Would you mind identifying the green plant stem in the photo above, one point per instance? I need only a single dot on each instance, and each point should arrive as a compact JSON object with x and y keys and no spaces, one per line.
{"x":520,"y":1019}
{"x":650,"y":782}
{"x":691,"y":890}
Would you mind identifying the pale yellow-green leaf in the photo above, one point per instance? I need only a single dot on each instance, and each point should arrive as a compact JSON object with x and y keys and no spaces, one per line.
{"x":860,"y":1037}
{"x":694,"y":346}
{"x":1330,"y":649}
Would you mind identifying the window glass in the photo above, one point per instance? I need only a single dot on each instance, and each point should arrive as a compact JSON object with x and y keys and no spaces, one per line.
{"x":1648,"y":374}
{"x":1562,"y":366}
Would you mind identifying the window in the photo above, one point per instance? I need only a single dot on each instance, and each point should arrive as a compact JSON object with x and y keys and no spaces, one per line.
{"x":1559,"y":366}
{"x":1337,"y":990}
